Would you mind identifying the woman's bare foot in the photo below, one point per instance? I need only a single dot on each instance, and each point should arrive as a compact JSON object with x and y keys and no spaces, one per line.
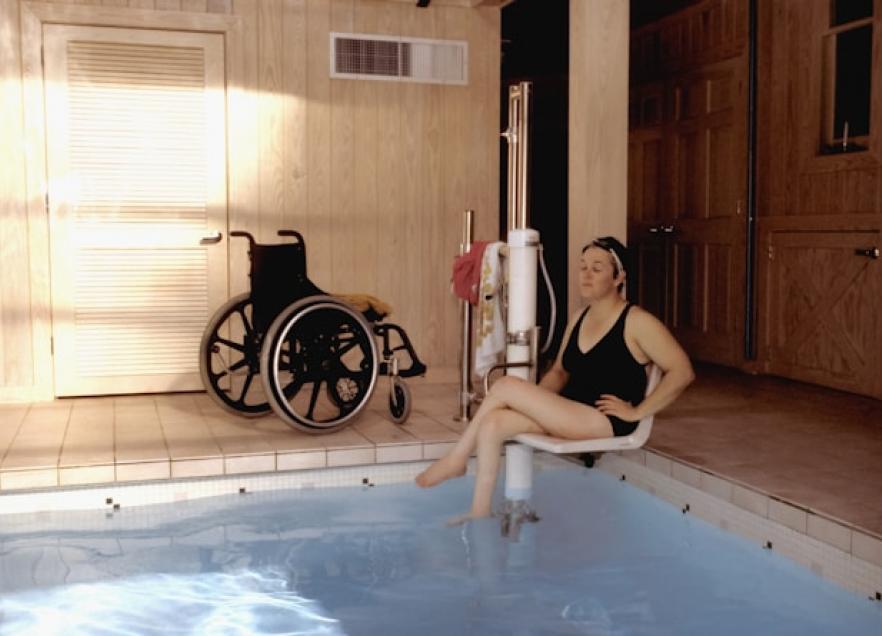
{"x":458,"y":520}
{"x":466,"y":517}
{"x":445,"y":468}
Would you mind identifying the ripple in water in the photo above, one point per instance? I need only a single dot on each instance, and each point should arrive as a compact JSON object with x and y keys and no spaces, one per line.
{"x":245,"y":603}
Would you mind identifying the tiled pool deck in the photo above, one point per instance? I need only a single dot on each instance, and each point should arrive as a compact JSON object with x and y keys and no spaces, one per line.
{"x":83,"y":441}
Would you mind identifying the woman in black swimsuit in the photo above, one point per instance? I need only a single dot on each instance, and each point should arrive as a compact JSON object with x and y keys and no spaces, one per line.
{"x":595,"y":388}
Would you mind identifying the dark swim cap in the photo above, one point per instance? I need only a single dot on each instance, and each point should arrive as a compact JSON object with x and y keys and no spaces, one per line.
{"x":618,"y":251}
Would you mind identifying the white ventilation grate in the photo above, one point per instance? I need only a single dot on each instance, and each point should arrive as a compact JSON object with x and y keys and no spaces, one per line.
{"x":402,"y":59}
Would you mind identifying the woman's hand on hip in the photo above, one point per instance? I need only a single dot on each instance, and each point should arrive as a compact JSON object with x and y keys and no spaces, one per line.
{"x":612,"y":405}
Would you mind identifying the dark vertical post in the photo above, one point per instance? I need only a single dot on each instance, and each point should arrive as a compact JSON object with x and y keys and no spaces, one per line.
{"x":750,"y":252}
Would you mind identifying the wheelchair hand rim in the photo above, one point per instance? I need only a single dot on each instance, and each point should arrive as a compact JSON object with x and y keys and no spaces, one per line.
{"x":280,"y":332}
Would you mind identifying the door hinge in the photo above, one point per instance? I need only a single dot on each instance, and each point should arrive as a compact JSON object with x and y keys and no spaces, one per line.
{"x":771,"y":252}
{"x":46,"y":199}
{"x":42,"y":59}
{"x":51,"y":345}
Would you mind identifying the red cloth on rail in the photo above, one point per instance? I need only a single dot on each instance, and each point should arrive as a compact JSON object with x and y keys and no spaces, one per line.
{"x":467,"y":272}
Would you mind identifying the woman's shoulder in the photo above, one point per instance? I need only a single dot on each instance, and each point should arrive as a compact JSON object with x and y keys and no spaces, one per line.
{"x":641,"y":319}
{"x":577,"y":315}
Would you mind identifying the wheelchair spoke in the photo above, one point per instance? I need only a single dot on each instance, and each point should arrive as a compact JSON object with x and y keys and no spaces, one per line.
{"x":316,"y":387}
{"x":245,"y":386}
{"x":232,"y":345}
{"x":294,"y":388}
{"x":245,"y":321}
{"x":241,"y":363}
{"x":346,"y":346}
{"x":229,"y":370}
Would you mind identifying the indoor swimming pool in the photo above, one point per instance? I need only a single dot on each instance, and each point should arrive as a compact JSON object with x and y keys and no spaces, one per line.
{"x":606,"y":558}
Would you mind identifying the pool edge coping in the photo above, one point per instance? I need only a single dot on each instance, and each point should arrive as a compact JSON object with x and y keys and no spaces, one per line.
{"x":785,"y":525}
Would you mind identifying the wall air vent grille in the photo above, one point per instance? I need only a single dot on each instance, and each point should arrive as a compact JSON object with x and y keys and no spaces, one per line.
{"x":401,"y":59}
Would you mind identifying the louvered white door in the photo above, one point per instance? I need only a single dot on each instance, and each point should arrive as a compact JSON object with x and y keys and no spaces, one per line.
{"x":136,"y":165}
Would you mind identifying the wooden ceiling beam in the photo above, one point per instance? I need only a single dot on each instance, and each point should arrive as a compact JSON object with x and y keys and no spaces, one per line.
{"x":470,"y":4}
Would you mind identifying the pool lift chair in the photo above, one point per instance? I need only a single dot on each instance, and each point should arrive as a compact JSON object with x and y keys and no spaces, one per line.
{"x":522,"y":351}
{"x":516,"y":508}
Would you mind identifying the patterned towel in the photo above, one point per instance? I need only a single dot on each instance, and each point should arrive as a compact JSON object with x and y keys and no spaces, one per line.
{"x":490,"y":341}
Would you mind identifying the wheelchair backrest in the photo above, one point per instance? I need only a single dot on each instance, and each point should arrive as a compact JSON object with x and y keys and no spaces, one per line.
{"x":278,"y":278}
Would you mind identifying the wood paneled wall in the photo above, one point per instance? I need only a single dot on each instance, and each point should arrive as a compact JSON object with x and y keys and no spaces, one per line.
{"x":16,"y":352}
{"x":796,"y":179}
{"x":819,"y":297}
{"x":375,"y":174}
{"x":707,"y":32}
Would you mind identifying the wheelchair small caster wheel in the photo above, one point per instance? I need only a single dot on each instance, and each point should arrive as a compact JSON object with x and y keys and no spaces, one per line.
{"x":399,"y":402}
{"x":587,"y":460}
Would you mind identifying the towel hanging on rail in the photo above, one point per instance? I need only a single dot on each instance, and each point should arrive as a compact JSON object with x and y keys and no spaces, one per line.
{"x":467,"y":272}
{"x":490,"y":340}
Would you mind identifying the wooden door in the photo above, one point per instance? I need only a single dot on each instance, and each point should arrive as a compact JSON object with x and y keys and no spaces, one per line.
{"x":649,"y":203}
{"x":136,"y":165}
{"x":650,"y":286}
{"x":706,"y":166}
{"x":686,"y":226}
{"x":823,"y":295}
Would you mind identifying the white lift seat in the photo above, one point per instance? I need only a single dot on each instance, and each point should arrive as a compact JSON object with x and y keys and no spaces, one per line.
{"x":634,"y":440}
{"x":519,"y":455}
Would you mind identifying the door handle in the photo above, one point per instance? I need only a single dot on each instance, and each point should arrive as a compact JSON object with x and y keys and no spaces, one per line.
{"x":653,"y":229}
{"x":211,"y":239}
{"x":869,"y":252}
{"x":667,"y":229}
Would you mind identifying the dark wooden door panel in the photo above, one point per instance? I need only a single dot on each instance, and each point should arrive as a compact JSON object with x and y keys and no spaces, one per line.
{"x":823,"y":304}
{"x":650,"y":289}
{"x":708,"y":273}
{"x":708,"y":167}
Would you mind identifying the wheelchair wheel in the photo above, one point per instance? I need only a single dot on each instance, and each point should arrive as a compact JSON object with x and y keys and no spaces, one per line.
{"x":229,"y":358}
{"x":400,"y":401}
{"x":324,"y":355}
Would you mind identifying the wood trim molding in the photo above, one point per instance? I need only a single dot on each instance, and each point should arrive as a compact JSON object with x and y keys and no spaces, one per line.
{"x":21,"y":394}
{"x":819,"y":222}
{"x":33,"y":16}
{"x":45,"y":12}
{"x":466,"y":4}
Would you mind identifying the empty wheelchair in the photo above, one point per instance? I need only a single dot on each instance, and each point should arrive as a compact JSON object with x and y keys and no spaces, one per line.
{"x":289,"y":347}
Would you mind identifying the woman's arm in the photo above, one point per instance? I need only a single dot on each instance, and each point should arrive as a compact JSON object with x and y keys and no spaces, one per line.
{"x":555,"y":379}
{"x":661,"y":348}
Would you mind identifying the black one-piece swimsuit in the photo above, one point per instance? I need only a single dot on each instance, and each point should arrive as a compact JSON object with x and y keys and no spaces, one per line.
{"x":607,"y":368}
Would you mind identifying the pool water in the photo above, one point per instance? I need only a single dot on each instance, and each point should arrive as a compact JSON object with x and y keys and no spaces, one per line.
{"x":606,"y":558}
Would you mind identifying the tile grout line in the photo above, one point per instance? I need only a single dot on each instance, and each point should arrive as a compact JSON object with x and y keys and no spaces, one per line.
{"x":21,"y":420}
{"x":61,"y":445}
{"x":162,"y":431}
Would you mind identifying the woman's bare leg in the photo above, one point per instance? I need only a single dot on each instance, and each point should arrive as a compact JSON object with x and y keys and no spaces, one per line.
{"x":499,"y":426}
{"x":552,"y":413}
{"x":454,"y":462}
